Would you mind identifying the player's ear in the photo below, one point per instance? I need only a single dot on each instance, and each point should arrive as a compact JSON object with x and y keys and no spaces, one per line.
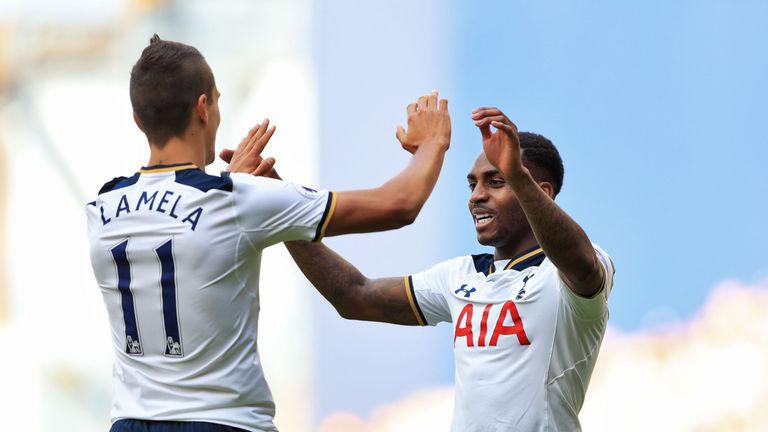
{"x":137,"y":121}
{"x":548,"y":188}
{"x":201,"y":108}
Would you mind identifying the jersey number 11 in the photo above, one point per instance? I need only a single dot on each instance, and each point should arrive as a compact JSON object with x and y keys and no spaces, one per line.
{"x":133,"y":342}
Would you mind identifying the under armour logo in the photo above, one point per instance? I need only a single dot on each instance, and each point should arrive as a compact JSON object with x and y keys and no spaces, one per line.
{"x":467,"y":293}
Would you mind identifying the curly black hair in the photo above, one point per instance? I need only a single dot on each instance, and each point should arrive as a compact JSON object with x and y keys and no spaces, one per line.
{"x":542,"y":158}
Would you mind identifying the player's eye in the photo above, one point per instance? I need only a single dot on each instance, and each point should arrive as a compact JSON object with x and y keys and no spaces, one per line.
{"x":497,"y":182}
{"x":472,"y":186}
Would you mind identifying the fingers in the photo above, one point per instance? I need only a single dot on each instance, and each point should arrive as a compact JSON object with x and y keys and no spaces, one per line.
{"x":243,"y":142}
{"x":421,"y":104}
{"x":485,"y":111}
{"x":443,"y":104}
{"x":487,"y":120}
{"x":411,"y":108}
{"x":265,"y":167}
{"x":226,"y":155}
{"x":479,"y":114}
{"x":247,"y":139}
{"x":508,"y":128}
{"x":485,"y":131}
{"x":400,"y":134}
{"x":432,"y":100}
{"x":486,"y":116}
{"x":273,"y":174}
{"x":427,"y":102}
{"x":257,"y":133}
{"x":262,"y":141}
{"x":262,"y":130}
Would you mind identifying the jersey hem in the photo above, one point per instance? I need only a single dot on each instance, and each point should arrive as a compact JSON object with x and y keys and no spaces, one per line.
{"x":248,"y":428}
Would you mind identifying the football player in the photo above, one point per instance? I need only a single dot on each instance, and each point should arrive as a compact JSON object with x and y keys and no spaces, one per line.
{"x":176,"y":251}
{"x":528,"y":319}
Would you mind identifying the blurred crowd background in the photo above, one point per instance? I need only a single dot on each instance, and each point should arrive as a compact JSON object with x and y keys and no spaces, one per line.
{"x":658,"y":109}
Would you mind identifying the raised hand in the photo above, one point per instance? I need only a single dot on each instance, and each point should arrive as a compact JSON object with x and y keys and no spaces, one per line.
{"x":247,"y":158}
{"x":502,"y":146}
{"x":428,"y":123}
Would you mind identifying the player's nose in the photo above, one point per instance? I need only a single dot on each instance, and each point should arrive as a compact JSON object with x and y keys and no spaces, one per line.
{"x":479,"y":194}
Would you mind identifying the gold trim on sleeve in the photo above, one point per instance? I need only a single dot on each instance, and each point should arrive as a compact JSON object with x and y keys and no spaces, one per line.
{"x":412,"y":301}
{"x":328,"y":216}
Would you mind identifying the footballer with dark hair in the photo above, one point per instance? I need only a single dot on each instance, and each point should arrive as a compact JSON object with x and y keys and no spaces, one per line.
{"x":528,"y":319}
{"x":177,"y":252}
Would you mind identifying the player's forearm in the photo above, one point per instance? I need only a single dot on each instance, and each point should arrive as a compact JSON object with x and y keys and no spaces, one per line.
{"x":334,"y":278}
{"x":411,"y":188}
{"x":353,"y":295}
{"x":563,"y":240}
{"x":394,"y":204}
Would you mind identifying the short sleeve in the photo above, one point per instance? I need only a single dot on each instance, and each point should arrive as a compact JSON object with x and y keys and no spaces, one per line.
{"x":270,"y":211}
{"x":92,"y":215}
{"x":426,"y":291}
{"x":590,"y":308}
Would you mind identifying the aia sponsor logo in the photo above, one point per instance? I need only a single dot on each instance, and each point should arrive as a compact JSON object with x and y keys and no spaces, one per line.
{"x":504,"y":313}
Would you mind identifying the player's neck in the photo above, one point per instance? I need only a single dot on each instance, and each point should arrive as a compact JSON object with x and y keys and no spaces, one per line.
{"x":178,"y":151}
{"x":515,"y":248}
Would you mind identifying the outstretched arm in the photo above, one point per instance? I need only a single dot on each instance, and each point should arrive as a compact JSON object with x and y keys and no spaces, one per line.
{"x":562,"y":239}
{"x":397,"y":202}
{"x":392,"y":205}
{"x":352,"y":294}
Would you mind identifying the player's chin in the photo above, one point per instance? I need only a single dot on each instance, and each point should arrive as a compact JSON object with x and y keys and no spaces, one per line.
{"x":485,"y":238}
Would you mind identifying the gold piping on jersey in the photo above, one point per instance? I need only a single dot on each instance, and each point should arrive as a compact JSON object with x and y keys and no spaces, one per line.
{"x":166,"y":169}
{"x":412,"y":300}
{"x":523,"y":258}
{"x":517,"y":260}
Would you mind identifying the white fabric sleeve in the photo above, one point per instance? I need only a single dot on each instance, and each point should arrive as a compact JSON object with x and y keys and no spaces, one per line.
{"x":270,"y":211}
{"x":92,"y":216}
{"x":426,"y":290}
{"x":590,"y":308}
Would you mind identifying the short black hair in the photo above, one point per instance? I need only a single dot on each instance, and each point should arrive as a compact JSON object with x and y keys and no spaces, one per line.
{"x":166,"y":82}
{"x":542,"y":158}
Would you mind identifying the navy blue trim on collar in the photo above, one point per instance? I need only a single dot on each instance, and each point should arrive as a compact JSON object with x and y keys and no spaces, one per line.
{"x":483,"y":263}
{"x":119,"y":183}
{"x":198,"y":179}
{"x":531,"y":261}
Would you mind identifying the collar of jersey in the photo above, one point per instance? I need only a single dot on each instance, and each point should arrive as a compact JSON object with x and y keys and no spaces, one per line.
{"x":167,"y":168}
{"x":531,"y":257}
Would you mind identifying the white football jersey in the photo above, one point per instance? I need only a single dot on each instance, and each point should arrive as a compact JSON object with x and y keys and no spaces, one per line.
{"x":524,"y":343}
{"x":176,"y":253}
